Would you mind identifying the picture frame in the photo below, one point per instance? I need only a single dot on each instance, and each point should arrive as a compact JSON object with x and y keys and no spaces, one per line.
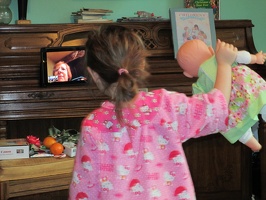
{"x":213,"y":4}
{"x":194,"y":23}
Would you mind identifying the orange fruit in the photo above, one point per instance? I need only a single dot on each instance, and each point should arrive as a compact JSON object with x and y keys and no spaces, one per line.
{"x":49,"y":141}
{"x":57,"y":148}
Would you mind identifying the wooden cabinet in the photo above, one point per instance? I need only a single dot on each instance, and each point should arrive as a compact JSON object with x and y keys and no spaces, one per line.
{"x":219,"y":170}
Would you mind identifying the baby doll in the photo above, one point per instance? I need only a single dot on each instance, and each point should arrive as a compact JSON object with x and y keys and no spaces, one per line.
{"x":248,"y":95}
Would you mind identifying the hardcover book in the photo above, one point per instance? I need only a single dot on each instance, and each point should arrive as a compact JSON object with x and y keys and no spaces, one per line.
{"x":213,"y":4}
{"x":88,"y":15}
{"x":97,"y":10}
{"x":189,"y":24}
{"x":80,"y":21}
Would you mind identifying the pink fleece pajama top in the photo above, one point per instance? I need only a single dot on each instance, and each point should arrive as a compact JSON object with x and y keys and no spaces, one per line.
{"x":144,"y":159}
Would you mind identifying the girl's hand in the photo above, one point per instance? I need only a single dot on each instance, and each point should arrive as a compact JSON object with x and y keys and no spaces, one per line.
{"x":225,"y":53}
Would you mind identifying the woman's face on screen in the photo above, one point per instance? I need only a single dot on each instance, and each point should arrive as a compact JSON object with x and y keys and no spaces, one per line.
{"x":61,"y":71}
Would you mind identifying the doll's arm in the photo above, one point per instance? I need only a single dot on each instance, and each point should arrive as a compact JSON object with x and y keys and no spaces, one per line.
{"x":245,"y":57}
{"x":258,"y":58}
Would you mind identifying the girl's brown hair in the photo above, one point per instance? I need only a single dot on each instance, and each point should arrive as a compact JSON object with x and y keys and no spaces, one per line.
{"x":116,"y":47}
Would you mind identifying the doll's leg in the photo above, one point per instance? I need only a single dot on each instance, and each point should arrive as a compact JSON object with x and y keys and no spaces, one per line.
{"x":249,"y":140}
{"x":263,"y":113}
{"x":255,"y":130}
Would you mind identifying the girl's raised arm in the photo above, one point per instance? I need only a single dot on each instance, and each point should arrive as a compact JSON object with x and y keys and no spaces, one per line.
{"x":225,"y":55}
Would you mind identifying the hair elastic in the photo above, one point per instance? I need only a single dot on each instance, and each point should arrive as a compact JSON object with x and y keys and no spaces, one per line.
{"x":122,"y":70}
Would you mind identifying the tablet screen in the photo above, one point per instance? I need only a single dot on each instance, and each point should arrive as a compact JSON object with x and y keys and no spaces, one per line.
{"x":63,"y":65}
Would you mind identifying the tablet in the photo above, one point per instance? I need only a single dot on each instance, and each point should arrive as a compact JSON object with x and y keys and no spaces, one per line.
{"x":63,"y":65}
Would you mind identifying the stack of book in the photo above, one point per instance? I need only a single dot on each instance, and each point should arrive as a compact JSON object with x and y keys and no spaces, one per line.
{"x":91,"y":15}
{"x":142,"y":16}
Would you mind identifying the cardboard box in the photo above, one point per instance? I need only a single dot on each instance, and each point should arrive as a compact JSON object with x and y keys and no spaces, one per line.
{"x":70,"y":149}
{"x":13,"y":149}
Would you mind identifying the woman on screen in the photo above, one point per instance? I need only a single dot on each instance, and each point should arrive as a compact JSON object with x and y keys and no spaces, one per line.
{"x":62,"y":72}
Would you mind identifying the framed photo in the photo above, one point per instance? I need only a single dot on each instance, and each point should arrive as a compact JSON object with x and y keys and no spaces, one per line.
{"x":213,"y":4}
{"x":189,"y":24}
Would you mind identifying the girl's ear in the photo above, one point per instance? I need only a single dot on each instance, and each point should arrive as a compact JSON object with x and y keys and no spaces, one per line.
{"x":92,"y":73}
{"x":97,"y":79}
{"x":211,"y":50}
{"x":107,"y":89}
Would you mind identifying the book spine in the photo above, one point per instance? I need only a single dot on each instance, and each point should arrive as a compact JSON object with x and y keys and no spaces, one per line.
{"x":96,"y":10}
{"x":93,"y":21}
{"x":87,"y":17}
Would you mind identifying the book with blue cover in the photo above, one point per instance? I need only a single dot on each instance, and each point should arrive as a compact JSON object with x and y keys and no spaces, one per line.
{"x":193,"y":23}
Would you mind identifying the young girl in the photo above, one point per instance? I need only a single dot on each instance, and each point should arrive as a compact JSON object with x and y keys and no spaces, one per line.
{"x":131,"y":147}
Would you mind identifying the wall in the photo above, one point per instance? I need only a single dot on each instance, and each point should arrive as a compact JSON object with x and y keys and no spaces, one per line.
{"x":246,"y":9}
{"x":59,"y":11}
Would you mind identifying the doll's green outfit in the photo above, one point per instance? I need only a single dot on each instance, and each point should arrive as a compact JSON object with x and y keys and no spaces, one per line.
{"x":248,"y":96}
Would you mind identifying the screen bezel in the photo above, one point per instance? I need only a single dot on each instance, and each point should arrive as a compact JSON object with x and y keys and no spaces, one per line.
{"x":61,"y":52}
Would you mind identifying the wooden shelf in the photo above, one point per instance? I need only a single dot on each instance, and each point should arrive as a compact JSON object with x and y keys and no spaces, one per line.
{"x":20,"y":177}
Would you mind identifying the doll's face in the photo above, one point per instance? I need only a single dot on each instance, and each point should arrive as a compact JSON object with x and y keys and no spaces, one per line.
{"x":191,"y":55}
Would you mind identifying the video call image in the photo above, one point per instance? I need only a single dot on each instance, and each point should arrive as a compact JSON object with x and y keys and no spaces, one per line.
{"x":66,"y":66}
